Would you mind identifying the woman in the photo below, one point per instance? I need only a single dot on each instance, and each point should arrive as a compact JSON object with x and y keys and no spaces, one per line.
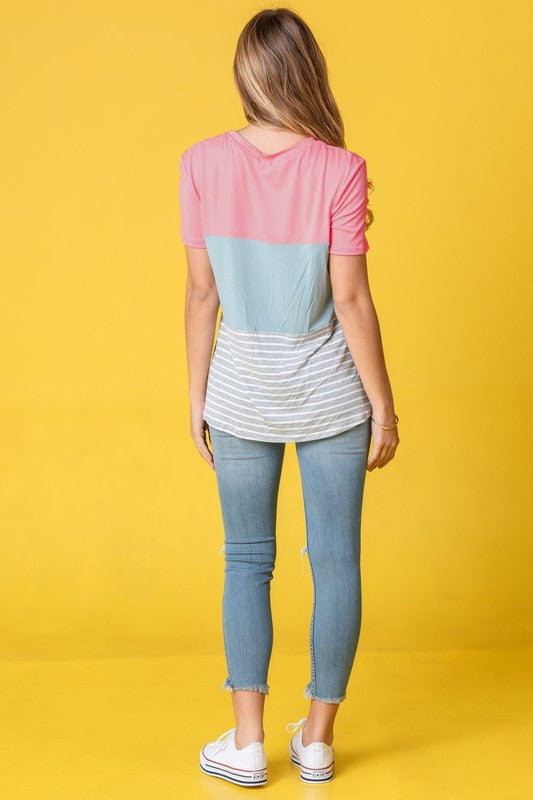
{"x":273,"y":218}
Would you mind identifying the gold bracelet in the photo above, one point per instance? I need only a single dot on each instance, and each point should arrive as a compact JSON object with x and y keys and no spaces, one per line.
{"x":385,"y":427}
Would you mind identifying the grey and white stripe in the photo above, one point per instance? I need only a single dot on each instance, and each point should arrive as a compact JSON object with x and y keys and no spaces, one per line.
{"x":279,"y":387}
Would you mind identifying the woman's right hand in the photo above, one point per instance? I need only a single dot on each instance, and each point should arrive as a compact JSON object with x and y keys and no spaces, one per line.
{"x":384,"y":443}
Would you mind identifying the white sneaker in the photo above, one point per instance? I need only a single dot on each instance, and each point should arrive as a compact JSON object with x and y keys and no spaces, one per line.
{"x":246,"y":766}
{"x":315,"y":760}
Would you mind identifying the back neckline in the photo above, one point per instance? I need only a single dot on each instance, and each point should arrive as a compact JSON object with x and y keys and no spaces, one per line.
{"x":254,"y":151}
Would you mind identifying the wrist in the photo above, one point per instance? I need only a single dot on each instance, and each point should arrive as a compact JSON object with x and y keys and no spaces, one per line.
{"x":384,"y":414}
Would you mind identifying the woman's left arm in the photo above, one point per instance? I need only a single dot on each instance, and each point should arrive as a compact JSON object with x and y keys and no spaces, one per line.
{"x":201,"y":310}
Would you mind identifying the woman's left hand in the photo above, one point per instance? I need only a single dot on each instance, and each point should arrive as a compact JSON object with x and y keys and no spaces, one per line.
{"x":198,"y":430}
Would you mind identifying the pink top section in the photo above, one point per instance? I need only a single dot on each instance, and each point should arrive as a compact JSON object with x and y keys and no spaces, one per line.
{"x":310,"y":192}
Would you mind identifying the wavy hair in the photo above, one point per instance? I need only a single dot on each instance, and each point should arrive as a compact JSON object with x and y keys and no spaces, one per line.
{"x":281,"y":75}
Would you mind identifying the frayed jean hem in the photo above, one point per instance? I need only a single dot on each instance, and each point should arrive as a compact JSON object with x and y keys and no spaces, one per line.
{"x":312,"y":695}
{"x":256,"y":687}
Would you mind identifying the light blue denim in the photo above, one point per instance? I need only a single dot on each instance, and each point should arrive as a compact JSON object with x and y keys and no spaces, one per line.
{"x":332,"y":472}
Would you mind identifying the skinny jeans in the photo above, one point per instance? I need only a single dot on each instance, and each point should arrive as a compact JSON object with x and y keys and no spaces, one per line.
{"x":332,"y":472}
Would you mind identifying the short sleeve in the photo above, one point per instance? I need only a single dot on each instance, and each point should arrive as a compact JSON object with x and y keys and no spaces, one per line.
{"x":348,"y":212}
{"x":190,"y":208}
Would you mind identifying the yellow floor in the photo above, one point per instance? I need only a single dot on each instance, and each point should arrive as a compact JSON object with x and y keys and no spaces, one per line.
{"x":438,"y":724}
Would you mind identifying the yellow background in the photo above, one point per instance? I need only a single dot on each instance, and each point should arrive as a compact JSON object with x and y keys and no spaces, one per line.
{"x":111,"y":528}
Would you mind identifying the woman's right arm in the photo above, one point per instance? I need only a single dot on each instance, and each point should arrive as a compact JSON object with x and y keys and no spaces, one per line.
{"x":357,"y":315}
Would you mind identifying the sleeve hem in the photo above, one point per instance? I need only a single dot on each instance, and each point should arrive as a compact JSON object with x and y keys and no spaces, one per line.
{"x":335,"y":252}
{"x":194,"y":244}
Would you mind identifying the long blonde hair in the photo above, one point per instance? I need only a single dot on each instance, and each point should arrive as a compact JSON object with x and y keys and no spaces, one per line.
{"x":281,"y":75}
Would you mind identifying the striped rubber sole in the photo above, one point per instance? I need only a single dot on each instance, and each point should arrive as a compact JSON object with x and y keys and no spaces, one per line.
{"x":308,"y":775}
{"x":242,"y":777}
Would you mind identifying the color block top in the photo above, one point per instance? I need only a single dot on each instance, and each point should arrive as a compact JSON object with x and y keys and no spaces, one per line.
{"x":281,"y":370}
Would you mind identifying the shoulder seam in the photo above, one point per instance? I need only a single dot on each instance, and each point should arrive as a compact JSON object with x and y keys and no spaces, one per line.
{"x":357,"y":159}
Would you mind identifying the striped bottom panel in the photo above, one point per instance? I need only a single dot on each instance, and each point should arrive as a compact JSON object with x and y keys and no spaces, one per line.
{"x":284,"y":387}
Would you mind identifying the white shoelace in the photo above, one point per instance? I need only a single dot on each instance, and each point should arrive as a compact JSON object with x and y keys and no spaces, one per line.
{"x":221,"y":741}
{"x":291,"y":727}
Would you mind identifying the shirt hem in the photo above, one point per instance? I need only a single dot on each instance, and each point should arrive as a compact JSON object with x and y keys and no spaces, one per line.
{"x":237,"y":431}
